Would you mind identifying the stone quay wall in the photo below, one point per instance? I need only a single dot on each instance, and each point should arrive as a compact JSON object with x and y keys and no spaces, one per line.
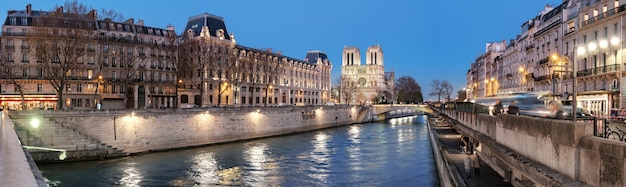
{"x":100,"y":134}
{"x":544,"y":152}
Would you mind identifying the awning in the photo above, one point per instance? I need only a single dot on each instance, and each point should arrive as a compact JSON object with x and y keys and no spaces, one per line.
{"x":28,"y":98}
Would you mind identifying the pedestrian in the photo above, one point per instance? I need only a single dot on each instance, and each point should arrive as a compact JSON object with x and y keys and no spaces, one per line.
{"x":468,"y":166}
{"x":497,"y":108}
{"x":476,"y":164}
{"x":513,"y":109}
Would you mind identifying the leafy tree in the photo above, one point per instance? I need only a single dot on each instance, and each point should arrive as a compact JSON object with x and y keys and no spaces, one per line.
{"x":462,"y":95}
{"x":408,"y":90}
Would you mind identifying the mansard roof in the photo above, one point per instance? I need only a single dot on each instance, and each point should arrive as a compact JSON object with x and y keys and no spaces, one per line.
{"x":213,"y":22}
{"x":321,"y":54}
{"x":313,"y":56}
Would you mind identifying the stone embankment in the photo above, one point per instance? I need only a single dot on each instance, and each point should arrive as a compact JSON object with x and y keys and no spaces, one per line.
{"x":89,"y":135}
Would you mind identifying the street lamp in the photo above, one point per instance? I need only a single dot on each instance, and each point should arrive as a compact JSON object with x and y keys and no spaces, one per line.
{"x":565,"y":61}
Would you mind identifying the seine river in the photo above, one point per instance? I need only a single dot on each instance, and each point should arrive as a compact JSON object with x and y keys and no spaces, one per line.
{"x":392,"y":153}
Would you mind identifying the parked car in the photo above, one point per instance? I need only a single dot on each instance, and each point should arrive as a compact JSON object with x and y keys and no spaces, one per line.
{"x":618,"y":115}
{"x":580,"y":114}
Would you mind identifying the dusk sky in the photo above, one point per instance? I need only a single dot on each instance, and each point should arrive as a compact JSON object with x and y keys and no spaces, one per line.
{"x":426,"y":40}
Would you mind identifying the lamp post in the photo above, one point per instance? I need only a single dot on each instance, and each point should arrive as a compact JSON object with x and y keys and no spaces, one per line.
{"x":565,"y":60}
{"x":180,"y":82}
{"x":95,"y":93}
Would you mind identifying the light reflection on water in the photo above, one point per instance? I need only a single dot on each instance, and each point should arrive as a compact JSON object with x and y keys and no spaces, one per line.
{"x":392,"y":153}
{"x":204,"y":169}
{"x":131,"y":176}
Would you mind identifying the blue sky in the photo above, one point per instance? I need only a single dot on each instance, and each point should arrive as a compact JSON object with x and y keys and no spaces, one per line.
{"x":426,"y":40}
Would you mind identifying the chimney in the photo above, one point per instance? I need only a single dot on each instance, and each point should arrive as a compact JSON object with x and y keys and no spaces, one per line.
{"x":130,"y":21}
{"x":29,"y":9}
{"x":269,"y":50}
{"x":93,"y":14}
{"x":140,"y":22}
{"x":60,"y":10}
{"x":170,"y":27}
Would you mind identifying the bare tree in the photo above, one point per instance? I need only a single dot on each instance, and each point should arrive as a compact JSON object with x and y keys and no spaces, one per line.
{"x":196,"y":59}
{"x":273,"y":67}
{"x":221,"y":59}
{"x":436,"y":89}
{"x":347,"y":89}
{"x":239,"y":70}
{"x":110,"y":14}
{"x":255,"y":73}
{"x":7,"y":72}
{"x":446,"y":89}
{"x":184,"y":67}
{"x":75,"y":6}
{"x":59,"y":40}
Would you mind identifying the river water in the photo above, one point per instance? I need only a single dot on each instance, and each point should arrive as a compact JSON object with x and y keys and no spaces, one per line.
{"x":391,"y":153}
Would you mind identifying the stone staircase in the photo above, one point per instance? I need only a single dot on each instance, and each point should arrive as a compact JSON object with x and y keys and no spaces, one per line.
{"x":361,"y":116}
{"x":78,"y":145}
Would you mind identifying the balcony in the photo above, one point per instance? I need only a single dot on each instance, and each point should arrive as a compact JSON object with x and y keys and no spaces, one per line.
{"x":9,"y":47}
{"x":509,"y":76}
{"x":544,"y":61}
{"x":599,"y":70}
{"x":13,"y":34}
{"x":603,"y":15}
{"x":543,"y":78}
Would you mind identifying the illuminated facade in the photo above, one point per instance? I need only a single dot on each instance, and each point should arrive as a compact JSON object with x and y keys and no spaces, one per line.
{"x":126,"y":65}
{"x":254,"y":77}
{"x":578,"y":37}
{"x":372,"y":82}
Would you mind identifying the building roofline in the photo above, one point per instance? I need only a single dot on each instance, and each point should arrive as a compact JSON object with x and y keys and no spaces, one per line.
{"x":204,"y":15}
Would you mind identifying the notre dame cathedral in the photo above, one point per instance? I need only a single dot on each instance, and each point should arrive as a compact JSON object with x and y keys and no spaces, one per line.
{"x":373,"y":84}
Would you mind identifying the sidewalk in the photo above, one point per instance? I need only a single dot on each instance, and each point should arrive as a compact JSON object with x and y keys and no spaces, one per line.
{"x":450,"y":139}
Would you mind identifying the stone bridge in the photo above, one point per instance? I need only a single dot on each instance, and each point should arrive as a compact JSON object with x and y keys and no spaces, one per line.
{"x":531,"y":151}
{"x":380,"y":112}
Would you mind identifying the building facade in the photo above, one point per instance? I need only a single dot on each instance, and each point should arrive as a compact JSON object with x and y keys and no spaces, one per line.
{"x":574,"y":47}
{"x":236,"y":75}
{"x":373,"y":84}
{"x":118,"y":64}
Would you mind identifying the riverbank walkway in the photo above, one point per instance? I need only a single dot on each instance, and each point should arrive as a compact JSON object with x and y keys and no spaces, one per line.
{"x":450,"y":140}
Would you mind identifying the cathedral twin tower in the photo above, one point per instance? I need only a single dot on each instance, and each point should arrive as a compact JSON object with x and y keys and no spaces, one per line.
{"x":373,"y":84}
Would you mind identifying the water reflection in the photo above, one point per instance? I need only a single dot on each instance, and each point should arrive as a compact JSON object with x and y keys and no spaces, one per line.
{"x":320,"y":157}
{"x":373,"y":154}
{"x":131,"y":176}
{"x":262,"y":169}
{"x":204,"y":169}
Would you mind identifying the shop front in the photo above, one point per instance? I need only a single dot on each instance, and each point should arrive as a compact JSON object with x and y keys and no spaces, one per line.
{"x":599,"y":103}
{"x":32,"y":102}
